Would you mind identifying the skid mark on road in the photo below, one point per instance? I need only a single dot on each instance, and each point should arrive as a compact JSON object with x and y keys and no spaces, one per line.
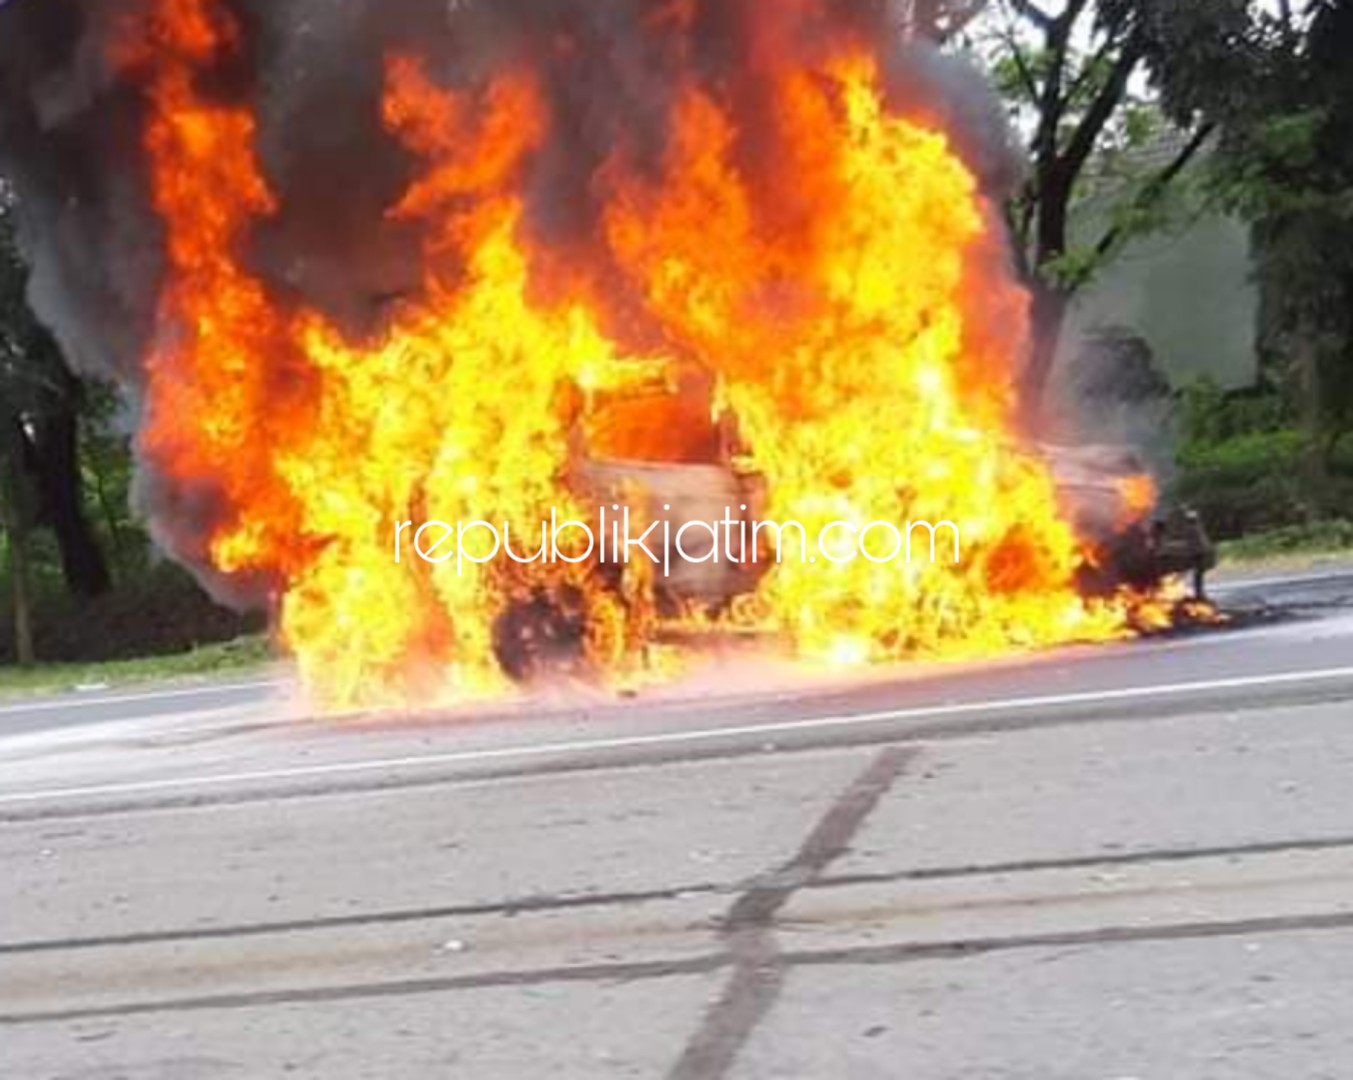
{"x":758,"y":967}
{"x":547,"y":904}
{"x":749,"y":929}
{"x":887,"y":955}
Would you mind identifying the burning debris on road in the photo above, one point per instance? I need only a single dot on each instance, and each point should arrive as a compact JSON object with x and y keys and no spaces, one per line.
{"x":364,"y":262}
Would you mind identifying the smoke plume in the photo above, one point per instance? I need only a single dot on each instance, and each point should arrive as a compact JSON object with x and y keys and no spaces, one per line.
{"x":72,"y":121}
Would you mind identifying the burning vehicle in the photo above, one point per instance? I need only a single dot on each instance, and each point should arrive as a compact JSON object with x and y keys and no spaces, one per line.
{"x":1111,"y":499}
{"x":367,"y":262}
{"x":624,"y":454}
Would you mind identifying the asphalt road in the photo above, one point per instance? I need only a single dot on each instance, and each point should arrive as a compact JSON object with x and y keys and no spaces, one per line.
{"x":1133,"y":862}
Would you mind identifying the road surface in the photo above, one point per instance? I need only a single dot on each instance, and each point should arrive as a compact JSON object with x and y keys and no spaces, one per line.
{"x":1099,"y":864}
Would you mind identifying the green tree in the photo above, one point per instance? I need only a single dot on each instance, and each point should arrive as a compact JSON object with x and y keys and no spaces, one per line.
{"x":1077,"y":74}
{"x":41,"y":403}
{"x":18,"y":393}
{"x":14,"y":527}
{"x":1283,"y":100}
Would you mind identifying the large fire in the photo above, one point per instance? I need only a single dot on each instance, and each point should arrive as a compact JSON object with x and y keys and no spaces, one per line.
{"x":841,"y":292}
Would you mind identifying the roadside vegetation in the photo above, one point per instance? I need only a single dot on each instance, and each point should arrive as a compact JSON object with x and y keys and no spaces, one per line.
{"x":1299,"y":545}
{"x":246,"y":656}
{"x":1244,"y":463}
{"x":152,"y":623}
{"x":80,"y":582}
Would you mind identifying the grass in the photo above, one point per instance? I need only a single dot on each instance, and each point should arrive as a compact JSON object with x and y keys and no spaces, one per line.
{"x":235,"y":657}
{"x":1294,"y":544}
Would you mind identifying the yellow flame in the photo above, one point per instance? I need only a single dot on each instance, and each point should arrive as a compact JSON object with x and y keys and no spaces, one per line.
{"x":843,"y":307}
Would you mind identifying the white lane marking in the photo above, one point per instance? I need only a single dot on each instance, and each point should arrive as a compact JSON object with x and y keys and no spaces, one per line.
{"x":67,"y":701}
{"x":680,"y":738}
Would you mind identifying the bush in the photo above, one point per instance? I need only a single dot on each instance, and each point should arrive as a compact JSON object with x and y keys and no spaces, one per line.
{"x":1323,"y":536}
{"x":1210,"y":415}
{"x":1246,"y":484}
{"x":1244,"y":466}
{"x":1257,"y":483}
{"x":159,"y":612}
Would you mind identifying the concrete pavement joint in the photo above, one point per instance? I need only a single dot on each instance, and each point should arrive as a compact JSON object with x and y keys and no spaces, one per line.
{"x":532,"y":905}
{"x":1144,"y":857}
{"x":862,"y":955}
{"x":587,"y":973}
{"x":876,"y":955}
{"x":508,"y":909}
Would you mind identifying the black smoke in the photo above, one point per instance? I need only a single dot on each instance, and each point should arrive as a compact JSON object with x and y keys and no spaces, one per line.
{"x":312,"y":71}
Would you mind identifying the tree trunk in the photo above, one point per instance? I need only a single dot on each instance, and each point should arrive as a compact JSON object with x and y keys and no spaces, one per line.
{"x":13,"y":521}
{"x":1048,"y":318}
{"x":1312,"y":412}
{"x":23,"y":597}
{"x":54,"y":462}
{"x":1050,"y":299}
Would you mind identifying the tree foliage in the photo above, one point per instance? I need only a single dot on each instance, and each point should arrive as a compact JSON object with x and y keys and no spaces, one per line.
{"x":41,"y":407}
{"x":20,"y":391}
{"x":1077,"y":76}
{"x":1282,"y":97}
{"x":28,"y":361}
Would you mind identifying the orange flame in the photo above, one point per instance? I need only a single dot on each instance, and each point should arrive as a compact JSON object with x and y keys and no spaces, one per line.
{"x":844,"y":311}
{"x":1140,"y":496}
